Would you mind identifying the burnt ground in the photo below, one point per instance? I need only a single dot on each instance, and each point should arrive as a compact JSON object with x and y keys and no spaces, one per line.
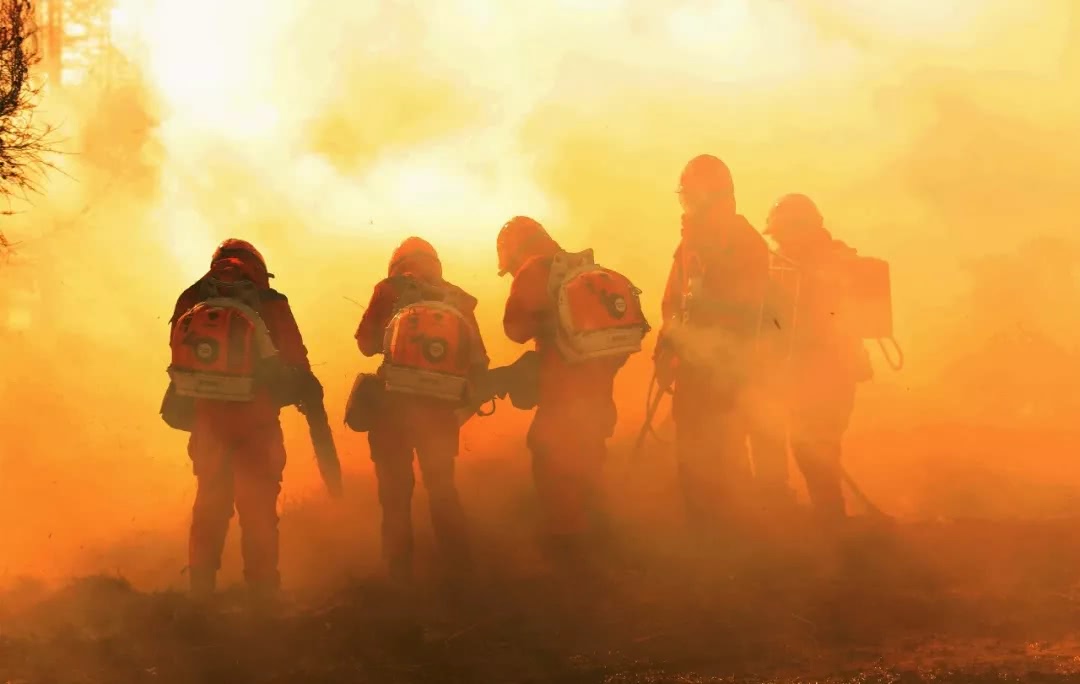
{"x":947,"y":601}
{"x":992,"y":597}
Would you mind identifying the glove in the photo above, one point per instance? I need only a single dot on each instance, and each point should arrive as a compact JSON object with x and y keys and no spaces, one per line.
{"x":308,"y":389}
{"x":313,"y":389}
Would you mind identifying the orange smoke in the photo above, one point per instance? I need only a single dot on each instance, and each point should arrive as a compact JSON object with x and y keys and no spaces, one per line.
{"x":931,"y":135}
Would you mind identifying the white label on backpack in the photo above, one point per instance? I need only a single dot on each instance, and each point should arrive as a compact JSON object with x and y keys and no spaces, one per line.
{"x":580,"y":345}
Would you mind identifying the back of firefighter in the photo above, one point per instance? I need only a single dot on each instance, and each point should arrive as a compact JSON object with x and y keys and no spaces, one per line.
{"x":712,"y":308}
{"x":236,"y":448}
{"x":575,"y":412}
{"x":827,"y":360}
{"x":409,"y":423}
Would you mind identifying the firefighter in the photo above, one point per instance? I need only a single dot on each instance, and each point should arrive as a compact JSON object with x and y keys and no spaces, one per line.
{"x":705,"y":353}
{"x":236,"y":447}
{"x":827,"y":360}
{"x":576,"y":410}
{"x":426,"y":330}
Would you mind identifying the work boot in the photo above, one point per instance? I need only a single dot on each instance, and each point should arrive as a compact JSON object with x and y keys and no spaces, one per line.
{"x":456,"y":577}
{"x":833,"y":521}
{"x":457,"y":569}
{"x":263,"y":596}
{"x":567,"y":551}
{"x":203,"y":583}
{"x":400,"y":570}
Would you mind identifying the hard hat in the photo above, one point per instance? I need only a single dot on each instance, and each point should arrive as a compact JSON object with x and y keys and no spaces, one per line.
{"x":706,"y":175}
{"x":242,"y":249}
{"x":412,"y":248}
{"x":793,"y":212}
{"x":517,"y":238}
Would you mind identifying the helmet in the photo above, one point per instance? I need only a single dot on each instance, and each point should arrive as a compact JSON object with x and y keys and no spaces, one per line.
{"x":240,"y":249}
{"x":518,"y":239}
{"x":412,"y":248}
{"x":236,"y":247}
{"x":794,"y":212}
{"x":705,"y":174}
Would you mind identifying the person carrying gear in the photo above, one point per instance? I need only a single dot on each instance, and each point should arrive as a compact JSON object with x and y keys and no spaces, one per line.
{"x":426,"y":330}
{"x":585,"y":321}
{"x":705,"y":354}
{"x":236,"y":351}
{"x":827,"y":357}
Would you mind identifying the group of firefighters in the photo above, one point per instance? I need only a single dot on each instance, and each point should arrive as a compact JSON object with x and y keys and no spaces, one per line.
{"x":750,"y":369}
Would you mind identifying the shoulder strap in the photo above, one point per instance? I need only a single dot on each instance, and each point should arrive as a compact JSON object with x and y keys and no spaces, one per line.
{"x":243,"y":291}
{"x":455,"y":298}
{"x":564,"y":263}
{"x":576,"y":260}
{"x":408,"y":292}
{"x":207,"y":289}
{"x":412,"y":290}
{"x":693,"y":267}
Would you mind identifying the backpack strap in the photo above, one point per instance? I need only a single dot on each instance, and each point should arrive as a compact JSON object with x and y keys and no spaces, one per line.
{"x":411,"y":290}
{"x":563,"y":264}
{"x":242,"y":290}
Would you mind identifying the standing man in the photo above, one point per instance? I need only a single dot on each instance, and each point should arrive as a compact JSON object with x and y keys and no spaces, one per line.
{"x":712,"y":308}
{"x":426,"y":330}
{"x":827,"y":359}
{"x":585,"y":321}
{"x":238,"y":353}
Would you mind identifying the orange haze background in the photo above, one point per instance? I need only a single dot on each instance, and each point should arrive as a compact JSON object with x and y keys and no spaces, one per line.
{"x":943,"y":136}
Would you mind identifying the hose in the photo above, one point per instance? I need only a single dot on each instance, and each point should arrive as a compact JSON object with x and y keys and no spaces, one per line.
{"x":855,"y":489}
{"x":480,"y":412}
{"x":653,"y":397}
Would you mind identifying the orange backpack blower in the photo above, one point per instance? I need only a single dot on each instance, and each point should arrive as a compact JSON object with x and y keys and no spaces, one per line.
{"x":868,"y":305}
{"x":598,"y":310}
{"x":221,"y":348}
{"x":429,"y":347}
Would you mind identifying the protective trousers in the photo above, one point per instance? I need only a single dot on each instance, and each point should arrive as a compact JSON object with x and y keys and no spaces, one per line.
{"x":820,"y":466}
{"x":567,"y":474}
{"x":241,"y":474}
{"x":435,"y":442}
{"x":818,"y":423}
{"x":714,"y":467}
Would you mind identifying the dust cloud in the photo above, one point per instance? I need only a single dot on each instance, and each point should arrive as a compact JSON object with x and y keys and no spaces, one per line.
{"x":940,"y":136}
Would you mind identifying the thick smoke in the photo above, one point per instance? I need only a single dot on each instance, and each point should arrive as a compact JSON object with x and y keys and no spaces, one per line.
{"x":940,"y":136}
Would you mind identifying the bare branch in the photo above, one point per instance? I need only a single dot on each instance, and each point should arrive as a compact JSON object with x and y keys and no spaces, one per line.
{"x":7,"y":248}
{"x":23,"y":141}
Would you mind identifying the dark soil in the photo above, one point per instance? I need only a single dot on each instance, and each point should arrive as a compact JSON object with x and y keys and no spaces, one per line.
{"x":966,"y":601}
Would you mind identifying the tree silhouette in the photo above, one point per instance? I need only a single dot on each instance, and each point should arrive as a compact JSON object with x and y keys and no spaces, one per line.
{"x":23,"y":142}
